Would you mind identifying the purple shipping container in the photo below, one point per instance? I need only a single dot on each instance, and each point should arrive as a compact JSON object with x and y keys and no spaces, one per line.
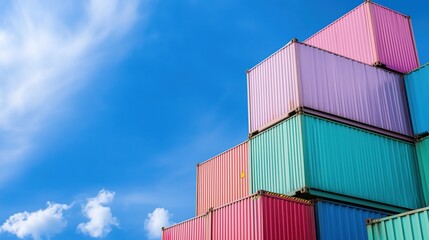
{"x":372,"y":34}
{"x":300,"y":76}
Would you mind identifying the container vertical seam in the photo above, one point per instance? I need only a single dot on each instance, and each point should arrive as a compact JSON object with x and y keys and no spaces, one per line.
{"x":414,"y":41}
{"x":248,"y":101}
{"x":196,"y":191}
{"x":372,"y":32}
{"x":303,"y":132}
{"x":298,"y":73}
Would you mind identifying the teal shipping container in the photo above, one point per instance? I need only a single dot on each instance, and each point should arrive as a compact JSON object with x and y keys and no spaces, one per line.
{"x":417,"y":85}
{"x":409,"y":225}
{"x":422,"y":148}
{"x":318,"y":157}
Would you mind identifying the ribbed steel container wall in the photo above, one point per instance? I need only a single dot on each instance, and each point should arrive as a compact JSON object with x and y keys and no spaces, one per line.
{"x":194,"y":229}
{"x":371,"y":34}
{"x":341,"y":221}
{"x":264,"y":217}
{"x":299,"y":75}
{"x":223,"y":179}
{"x":417,"y":85}
{"x":410,"y":225}
{"x":308,"y":151}
{"x":422,"y":148}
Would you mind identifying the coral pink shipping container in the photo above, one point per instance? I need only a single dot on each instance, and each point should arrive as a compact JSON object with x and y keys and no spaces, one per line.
{"x":223,"y":179}
{"x":264,"y":216}
{"x":372,"y":34}
{"x":194,"y":229}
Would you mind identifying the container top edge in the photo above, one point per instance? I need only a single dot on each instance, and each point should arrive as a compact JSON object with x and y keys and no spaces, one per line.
{"x":374,"y":221}
{"x":352,"y":205}
{"x":335,"y":21}
{"x":271,"y":55}
{"x":419,"y":68}
{"x":217,"y":155}
{"x":267,"y":194}
{"x":353,"y":60}
{"x":389,"y":9}
{"x":183,"y":222}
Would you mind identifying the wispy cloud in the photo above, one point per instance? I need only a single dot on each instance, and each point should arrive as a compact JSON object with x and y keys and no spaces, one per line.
{"x":100,"y":217}
{"x":48,"y":48}
{"x":38,"y":224}
{"x":154,"y":222}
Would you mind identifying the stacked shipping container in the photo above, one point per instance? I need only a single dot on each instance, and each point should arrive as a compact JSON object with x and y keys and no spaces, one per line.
{"x":410,"y":225}
{"x":371,"y":34}
{"x":252,"y":218}
{"x":324,"y":125}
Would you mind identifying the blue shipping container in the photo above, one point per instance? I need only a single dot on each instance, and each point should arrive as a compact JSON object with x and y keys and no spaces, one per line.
{"x":342,"y":221}
{"x":417,"y":85}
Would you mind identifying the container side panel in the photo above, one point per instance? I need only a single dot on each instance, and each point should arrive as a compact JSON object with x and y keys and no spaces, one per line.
{"x":237,"y":221}
{"x":276,"y":158}
{"x":422,"y":148}
{"x":194,"y":229}
{"x":353,"y":90}
{"x":272,"y":87}
{"x":394,"y":39}
{"x":342,"y":222}
{"x":348,"y":36}
{"x":349,"y":161}
{"x":287,"y":220}
{"x":410,"y":226}
{"x":417,"y":84}
{"x":223,"y":179}
{"x":357,"y":163}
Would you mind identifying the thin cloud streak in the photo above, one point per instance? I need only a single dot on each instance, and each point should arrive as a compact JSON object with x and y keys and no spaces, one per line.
{"x":45,"y":58}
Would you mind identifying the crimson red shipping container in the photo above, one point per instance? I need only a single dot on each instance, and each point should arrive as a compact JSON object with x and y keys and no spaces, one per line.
{"x":197,"y":228}
{"x":222,"y":179}
{"x":372,"y":34}
{"x":264,"y":216}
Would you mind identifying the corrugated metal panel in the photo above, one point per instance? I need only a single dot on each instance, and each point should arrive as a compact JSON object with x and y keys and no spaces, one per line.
{"x":410,"y":225}
{"x":394,"y":39}
{"x":223,"y":179}
{"x":371,"y":34}
{"x":353,"y":90}
{"x":343,"y":222}
{"x":417,"y":84}
{"x":272,"y":88}
{"x":348,"y":36}
{"x":193,"y":229}
{"x":328,"y":83}
{"x":264,"y":217}
{"x":422,"y":148}
{"x":307,"y":151}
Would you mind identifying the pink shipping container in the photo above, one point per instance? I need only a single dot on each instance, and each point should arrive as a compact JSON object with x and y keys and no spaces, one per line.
{"x":197,"y":228}
{"x":223,"y":179}
{"x":265,"y":216}
{"x":300,"y":76}
{"x":372,"y":34}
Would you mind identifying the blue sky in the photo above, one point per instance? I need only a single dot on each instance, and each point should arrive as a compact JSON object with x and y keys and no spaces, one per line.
{"x":106,"y":106}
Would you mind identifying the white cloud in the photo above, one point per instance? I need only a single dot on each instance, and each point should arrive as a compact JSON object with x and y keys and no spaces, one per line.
{"x":154,"y":222}
{"x":100,"y":217}
{"x":48,"y":48}
{"x":42,"y":223}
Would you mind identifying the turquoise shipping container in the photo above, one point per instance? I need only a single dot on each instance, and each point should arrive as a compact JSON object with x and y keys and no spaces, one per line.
{"x":409,"y":225}
{"x":341,"y":221}
{"x":422,"y":148}
{"x":309,"y":155}
{"x":417,"y":85}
